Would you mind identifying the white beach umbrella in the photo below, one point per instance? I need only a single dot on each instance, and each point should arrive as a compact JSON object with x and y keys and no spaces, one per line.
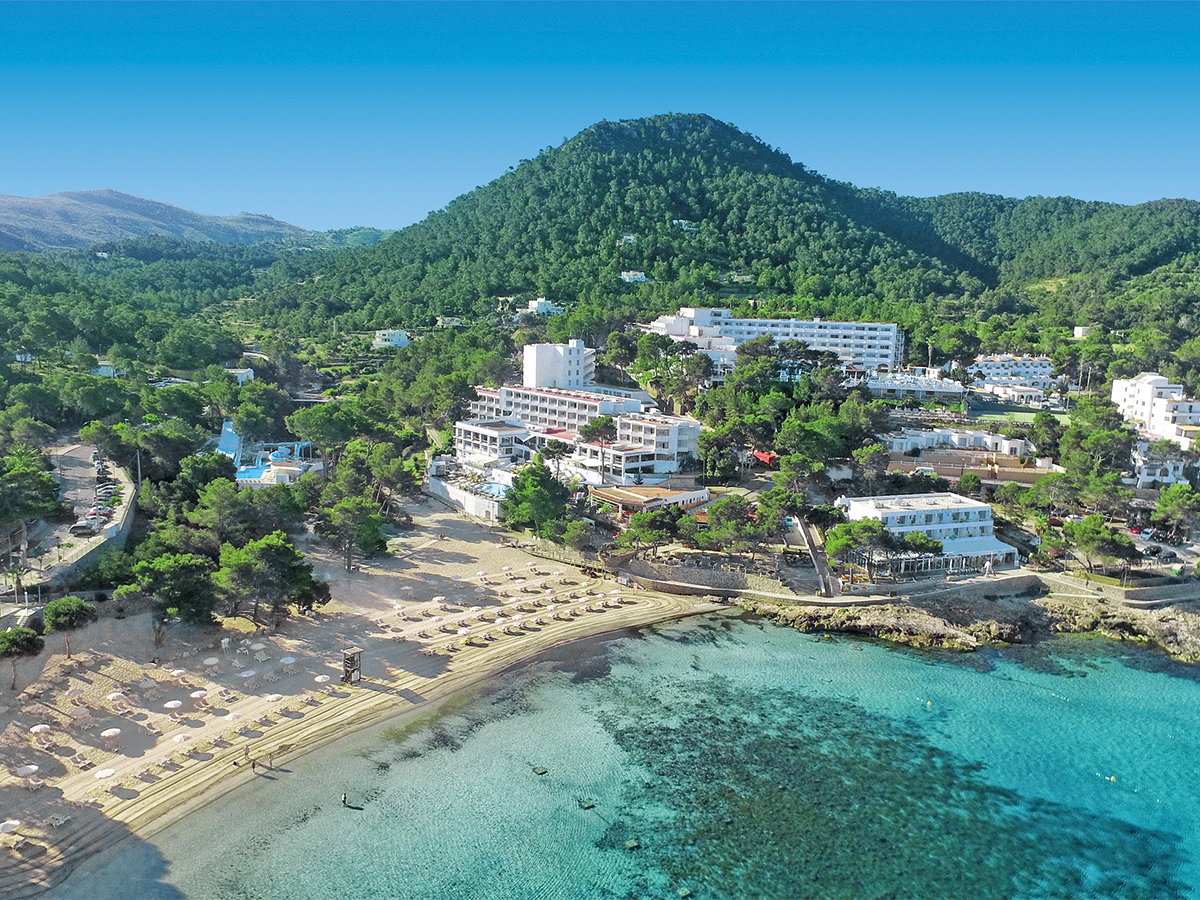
{"x":274,"y":698}
{"x":8,"y":826}
{"x":438,"y":599}
{"x":182,"y":738}
{"x":115,"y":695}
{"x":173,"y":704}
{"x":288,"y":660}
{"x":27,"y":770}
{"x":481,"y":573}
{"x":105,"y":773}
{"x":178,"y":673}
{"x":110,"y":732}
{"x":464,"y":631}
{"x":40,"y":728}
{"x":198,"y":695}
{"x":211,"y":661}
{"x":322,"y":679}
{"x":249,"y":673}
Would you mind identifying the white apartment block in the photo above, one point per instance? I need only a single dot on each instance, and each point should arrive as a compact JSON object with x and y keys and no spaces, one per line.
{"x":868,"y":345}
{"x":1153,"y":468}
{"x":1158,"y":408}
{"x":901,"y":387}
{"x":634,"y":277}
{"x":964,"y":526}
{"x":1021,"y":371}
{"x":957,"y":439}
{"x":482,"y":442}
{"x":567,"y":366}
{"x":390,"y":337}
{"x":546,"y":408}
{"x":669,"y":436}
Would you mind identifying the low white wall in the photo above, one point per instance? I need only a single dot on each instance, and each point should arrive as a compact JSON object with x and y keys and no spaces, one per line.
{"x":470,"y":503}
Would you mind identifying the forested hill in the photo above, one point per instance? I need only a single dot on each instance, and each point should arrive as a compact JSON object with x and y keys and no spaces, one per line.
{"x":76,"y":219}
{"x":710,"y":213}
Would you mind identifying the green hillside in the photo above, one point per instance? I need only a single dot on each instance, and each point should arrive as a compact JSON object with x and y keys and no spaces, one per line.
{"x":710,"y":214}
{"x":799,"y":243}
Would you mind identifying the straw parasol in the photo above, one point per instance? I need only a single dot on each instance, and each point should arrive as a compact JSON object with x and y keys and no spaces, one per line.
{"x":211,"y":661}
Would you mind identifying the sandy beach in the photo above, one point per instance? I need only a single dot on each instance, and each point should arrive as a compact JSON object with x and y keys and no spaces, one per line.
{"x":110,"y":744}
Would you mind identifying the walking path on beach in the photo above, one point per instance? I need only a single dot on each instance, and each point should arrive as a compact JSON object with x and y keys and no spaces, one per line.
{"x":436,"y":616}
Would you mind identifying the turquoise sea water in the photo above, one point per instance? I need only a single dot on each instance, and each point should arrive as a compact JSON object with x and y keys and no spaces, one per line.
{"x":724,"y":758}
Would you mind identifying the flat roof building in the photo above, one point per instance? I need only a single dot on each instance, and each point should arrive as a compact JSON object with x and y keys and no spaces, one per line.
{"x":869,"y":345}
{"x":964,"y":526}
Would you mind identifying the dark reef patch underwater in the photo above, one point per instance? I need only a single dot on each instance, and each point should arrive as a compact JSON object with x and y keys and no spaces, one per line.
{"x":786,"y":795}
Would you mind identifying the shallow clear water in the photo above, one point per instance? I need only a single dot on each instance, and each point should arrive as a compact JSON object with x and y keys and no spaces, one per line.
{"x":744,"y":761}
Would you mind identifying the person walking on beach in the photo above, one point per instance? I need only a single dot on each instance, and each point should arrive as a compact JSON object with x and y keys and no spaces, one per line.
{"x":270,"y":760}
{"x":246,"y":752}
{"x":343,"y":799}
{"x":254,"y":766}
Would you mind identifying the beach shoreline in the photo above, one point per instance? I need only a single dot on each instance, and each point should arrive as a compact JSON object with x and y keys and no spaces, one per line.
{"x":450,"y":607}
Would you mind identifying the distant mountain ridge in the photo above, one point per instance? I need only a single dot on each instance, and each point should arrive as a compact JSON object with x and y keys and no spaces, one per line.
{"x":76,"y":219}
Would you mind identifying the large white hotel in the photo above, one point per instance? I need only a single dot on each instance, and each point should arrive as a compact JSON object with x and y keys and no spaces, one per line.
{"x":867,"y":345}
{"x":556,"y":400}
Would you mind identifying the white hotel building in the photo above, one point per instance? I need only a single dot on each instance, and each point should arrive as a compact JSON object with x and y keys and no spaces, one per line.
{"x":1018,"y":371}
{"x":569,"y":365}
{"x":558,"y":398}
{"x":964,"y":526}
{"x":868,"y":345}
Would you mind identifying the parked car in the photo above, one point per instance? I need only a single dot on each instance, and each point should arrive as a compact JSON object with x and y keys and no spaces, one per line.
{"x":1168,"y":554}
{"x":1133,"y":529}
{"x":1056,"y":521}
{"x":1176,"y":541}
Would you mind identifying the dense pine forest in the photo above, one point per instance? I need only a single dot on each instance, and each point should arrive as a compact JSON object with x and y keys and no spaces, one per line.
{"x":709,"y":214}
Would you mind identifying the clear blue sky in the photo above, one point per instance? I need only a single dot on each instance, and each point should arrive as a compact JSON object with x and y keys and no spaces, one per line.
{"x":332,"y":115}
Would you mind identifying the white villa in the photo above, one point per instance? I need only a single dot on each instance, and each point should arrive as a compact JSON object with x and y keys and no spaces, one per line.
{"x":390,"y":337}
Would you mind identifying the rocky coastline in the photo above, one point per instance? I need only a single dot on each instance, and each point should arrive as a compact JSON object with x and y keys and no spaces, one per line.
{"x":965,"y":620}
